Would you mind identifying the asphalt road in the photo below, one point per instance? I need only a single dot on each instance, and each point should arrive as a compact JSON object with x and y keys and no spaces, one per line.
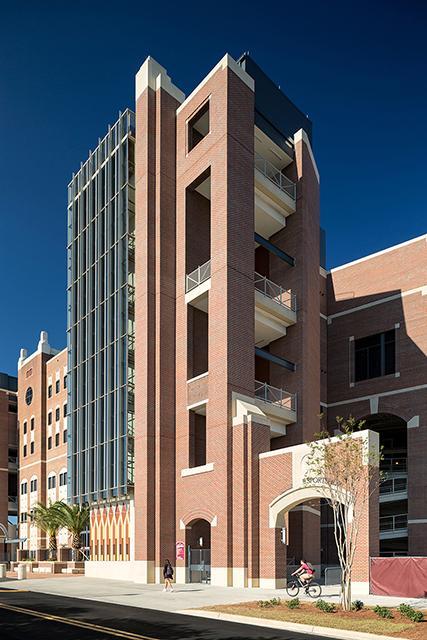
{"x":37,"y":616}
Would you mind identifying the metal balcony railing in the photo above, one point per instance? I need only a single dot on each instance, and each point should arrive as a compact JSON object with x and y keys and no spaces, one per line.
{"x":274,"y":395}
{"x":13,"y":499}
{"x":196,"y":277}
{"x":393,"y":485}
{"x":274,"y":291}
{"x":394,"y":465}
{"x":394,"y":523}
{"x":275,"y":175}
{"x":13,"y":459}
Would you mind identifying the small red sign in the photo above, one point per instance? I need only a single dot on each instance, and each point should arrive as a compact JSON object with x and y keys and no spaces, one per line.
{"x":180,"y":551}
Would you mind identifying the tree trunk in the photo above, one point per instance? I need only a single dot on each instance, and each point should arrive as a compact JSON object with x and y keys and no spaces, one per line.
{"x":76,"y":547}
{"x":346,"y":590}
{"x":53,"y":548}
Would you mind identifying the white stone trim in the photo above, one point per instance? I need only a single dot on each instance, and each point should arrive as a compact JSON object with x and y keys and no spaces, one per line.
{"x":152,"y":74}
{"x":201,"y":375}
{"x":380,"y":395}
{"x":323,"y":272}
{"x":200,"y":403}
{"x":302,"y":136}
{"x":226,"y":61}
{"x":413,"y":422}
{"x":307,"y":508}
{"x":375,"y":303}
{"x":418,"y":521}
{"x":194,"y":471}
{"x":379,"y":253}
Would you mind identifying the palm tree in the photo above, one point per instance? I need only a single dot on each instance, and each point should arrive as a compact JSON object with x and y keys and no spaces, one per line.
{"x":75,"y":518}
{"x":46,"y":519}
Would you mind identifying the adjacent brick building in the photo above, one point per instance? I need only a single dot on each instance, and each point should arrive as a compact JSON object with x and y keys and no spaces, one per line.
{"x":42,"y":413}
{"x":8,"y":464}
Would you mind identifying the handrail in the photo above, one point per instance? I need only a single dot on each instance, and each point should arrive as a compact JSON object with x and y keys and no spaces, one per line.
{"x":275,"y":395}
{"x":393,"y":485}
{"x":274,"y":174}
{"x":274,"y":291}
{"x":196,"y":277}
{"x":394,"y":523}
{"x":394,"y":464}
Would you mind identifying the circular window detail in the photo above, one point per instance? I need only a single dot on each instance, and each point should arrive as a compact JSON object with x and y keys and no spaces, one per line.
{"x":29,"y":396}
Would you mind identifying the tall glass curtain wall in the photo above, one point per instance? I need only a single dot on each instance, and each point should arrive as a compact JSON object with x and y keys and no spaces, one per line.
{"x":101,"y":293}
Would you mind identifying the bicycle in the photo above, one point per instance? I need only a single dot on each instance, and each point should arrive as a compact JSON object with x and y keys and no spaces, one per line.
{"x":312,"y":589}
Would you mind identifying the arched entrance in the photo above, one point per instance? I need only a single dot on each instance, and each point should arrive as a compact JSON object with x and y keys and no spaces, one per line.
{"x":198,"y":543}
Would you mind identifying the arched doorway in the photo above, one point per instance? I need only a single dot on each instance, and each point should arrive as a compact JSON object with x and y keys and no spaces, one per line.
{"x":198,"y":542}
{"x":394,"y":489}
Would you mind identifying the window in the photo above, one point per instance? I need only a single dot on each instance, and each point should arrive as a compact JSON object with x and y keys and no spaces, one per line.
{"x":64,"y":413}
{"x":29,"y":396}
{"x":51,"y":482}
{"x":198,"y":126}
{"x":64,"y":436}
{"x":33,"y":485}
{"x":49,"y":417}
{"x":32,"y":424}
{"x":57,"y":386}
{"x":65,"y":382}
{"x":31,"y":447}
{"x":56,"y":439}
{"x":23,"y":488}
{"x":57,"y":414}
{"x":49,"y":442}
{"x":24,"y":452}
{"x":375,"y":356}
{"x":49,"y":391}
{"x":25,"y":427}
{"x":63,"y":479}
{"x":13,"y":408}
{"x":23,"y":517}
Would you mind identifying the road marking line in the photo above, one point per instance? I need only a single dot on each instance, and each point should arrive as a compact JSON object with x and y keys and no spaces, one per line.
{"x":77,"y":623}
{"x":13,"y":590}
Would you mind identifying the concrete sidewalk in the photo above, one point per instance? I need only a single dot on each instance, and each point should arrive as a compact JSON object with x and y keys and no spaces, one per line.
{"x":187,"y":596}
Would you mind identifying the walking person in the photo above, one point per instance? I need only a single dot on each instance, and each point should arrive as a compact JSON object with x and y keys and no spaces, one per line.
{"x":168,"y":575}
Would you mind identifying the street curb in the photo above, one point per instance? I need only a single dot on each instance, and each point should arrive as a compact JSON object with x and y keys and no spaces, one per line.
{"x":329,"y":632}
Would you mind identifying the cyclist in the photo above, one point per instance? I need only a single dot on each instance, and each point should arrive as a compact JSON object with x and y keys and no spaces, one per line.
{"x":305,"y":572}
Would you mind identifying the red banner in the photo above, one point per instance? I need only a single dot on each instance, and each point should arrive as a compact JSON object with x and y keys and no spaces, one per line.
{"x":406,"y":577}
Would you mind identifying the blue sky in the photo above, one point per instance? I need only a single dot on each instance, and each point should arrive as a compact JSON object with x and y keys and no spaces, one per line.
{"x":67,"y":68}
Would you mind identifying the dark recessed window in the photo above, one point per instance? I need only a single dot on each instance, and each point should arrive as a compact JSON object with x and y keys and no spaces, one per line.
{"x":198,"y":126}
{"x":49,"y":391}
{"x":49,"y":417}
{"x":33,"y":485}
{"x":24,"y":451}
{"x":25,"y":427}
{"x":49,"y":443}
{"x":23,"y":488}
{"x":13,"y":408}
{"x":56,"y":439}
{"x":51,"y":482}
{"x":31,"y":447}
{"x":65,"y":382}
{"x":375,"y":356}
{"x":32,"y":424}
{"x":64,"y":436}
{"x":29,"y":396}
{"x":63,"y":479}
{"x":57,"y":414}
{"x":57,"y":386}
{"x":23,"y":517}
{"x":65,"y":411}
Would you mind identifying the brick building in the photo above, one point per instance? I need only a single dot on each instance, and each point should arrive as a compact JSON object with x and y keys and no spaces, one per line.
{"x":42,"y":410}
{"x":206,"y":338}
{"x":8,"y":464}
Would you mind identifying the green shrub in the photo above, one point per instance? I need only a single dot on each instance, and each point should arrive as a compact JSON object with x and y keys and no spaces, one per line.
{"x":357,"y":605}
{"x":266,"y":604}
{"x":293,"y":604}
{"x":411,"y":613}
{"x":383,"y":612}
{"x":326,"y":607}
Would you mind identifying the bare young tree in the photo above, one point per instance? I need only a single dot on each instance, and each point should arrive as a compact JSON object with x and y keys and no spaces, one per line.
{"x":345,"y":470}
